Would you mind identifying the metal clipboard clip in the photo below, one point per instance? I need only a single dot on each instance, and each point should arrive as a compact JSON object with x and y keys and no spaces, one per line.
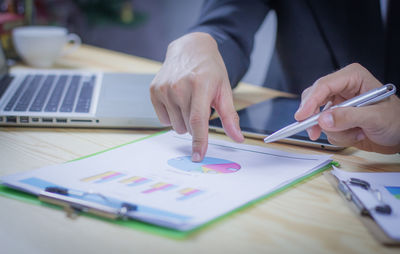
{"x":358,"y":208}
{"x":73,"y":206}
{"x":75,"y":202}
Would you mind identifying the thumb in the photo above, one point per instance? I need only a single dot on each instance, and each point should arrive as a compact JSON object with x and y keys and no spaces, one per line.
{"x":229,"y":117}
{"x":340,"y":119}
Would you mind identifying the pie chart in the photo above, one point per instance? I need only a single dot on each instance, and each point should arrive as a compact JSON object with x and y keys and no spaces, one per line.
{"x":209,"y":165}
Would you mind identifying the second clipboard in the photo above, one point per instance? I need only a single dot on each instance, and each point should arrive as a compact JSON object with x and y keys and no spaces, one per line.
{"x":356,"y":206}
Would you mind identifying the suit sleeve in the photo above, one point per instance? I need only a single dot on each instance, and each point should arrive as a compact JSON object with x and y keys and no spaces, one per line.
{"x":233,"y":24}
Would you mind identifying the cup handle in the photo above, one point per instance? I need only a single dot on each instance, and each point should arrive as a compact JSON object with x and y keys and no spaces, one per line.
{"x":76,"y":43}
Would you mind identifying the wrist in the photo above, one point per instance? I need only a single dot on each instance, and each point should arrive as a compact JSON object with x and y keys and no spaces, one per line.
{"x":197,"y":39}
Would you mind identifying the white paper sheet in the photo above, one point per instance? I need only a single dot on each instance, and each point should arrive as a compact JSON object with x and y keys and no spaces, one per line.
{"x":157,"y":175}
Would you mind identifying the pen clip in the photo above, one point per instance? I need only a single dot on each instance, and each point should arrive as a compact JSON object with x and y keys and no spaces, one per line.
{"x":390,"y":89}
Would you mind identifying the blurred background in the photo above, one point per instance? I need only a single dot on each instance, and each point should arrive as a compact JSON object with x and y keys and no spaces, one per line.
{"x":137,"y":27}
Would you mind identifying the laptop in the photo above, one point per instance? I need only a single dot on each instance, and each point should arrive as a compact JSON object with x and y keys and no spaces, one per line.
{"x":74,"y":98}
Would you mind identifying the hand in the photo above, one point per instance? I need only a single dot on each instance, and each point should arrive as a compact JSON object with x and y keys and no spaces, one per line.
{"x":193,"y":79}
{"x":372,"y":128}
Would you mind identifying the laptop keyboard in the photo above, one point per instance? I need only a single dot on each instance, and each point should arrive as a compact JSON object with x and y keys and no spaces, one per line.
{"x":53,"y":93}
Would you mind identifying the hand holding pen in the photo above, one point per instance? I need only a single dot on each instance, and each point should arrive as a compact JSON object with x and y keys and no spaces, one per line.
{"x":374,"y":127}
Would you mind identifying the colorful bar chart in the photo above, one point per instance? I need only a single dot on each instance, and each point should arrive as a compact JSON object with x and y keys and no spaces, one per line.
{"x":188,"y":193}
{"x":103,"y":177}
{"x":158,"y":187}
{"x":135,"y":181}
{"x":394,"y":190}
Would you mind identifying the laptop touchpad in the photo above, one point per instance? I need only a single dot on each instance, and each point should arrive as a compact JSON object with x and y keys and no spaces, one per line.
{"x":126,"y":95}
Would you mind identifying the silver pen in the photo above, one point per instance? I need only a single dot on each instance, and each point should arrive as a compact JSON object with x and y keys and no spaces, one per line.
{"x":370,"y":97}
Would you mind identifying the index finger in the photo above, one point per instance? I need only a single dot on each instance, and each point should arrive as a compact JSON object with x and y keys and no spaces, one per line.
{"x":345,"y":83}
{"x":199,"y":115}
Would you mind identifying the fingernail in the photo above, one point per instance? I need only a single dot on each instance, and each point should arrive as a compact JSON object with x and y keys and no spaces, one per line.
{"x":301,"y":104}
{"x":196,"y":157}
{"x":239,"y":133}
{"x":327,"y":105}
{"x":360,"y":136}
{"x":327,"y":120}
{"x":308,"y":131}
{"x":299,"y":109}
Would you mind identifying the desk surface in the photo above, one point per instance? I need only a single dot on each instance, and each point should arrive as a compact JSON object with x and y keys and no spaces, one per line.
{"x":309,"y":218}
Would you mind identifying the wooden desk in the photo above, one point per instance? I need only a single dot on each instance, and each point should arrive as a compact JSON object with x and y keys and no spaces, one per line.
{"x":309,"y":218}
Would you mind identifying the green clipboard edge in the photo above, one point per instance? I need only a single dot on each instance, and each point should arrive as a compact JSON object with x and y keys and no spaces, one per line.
{"x":170,"y":233}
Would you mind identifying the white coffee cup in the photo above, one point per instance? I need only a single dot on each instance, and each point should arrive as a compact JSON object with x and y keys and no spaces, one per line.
{"x":40,"y":46}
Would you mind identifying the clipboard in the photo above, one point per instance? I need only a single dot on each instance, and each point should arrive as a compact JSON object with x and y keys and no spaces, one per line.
{"x":47,"y":200}
{"x":358,"y":208}
{"x":58,"y":196}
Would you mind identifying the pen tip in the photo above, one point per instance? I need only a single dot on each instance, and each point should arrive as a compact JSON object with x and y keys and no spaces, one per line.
{"x":267,"y":140}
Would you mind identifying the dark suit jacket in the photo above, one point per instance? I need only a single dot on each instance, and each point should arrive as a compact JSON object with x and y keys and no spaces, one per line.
{"x":314,"y":38}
